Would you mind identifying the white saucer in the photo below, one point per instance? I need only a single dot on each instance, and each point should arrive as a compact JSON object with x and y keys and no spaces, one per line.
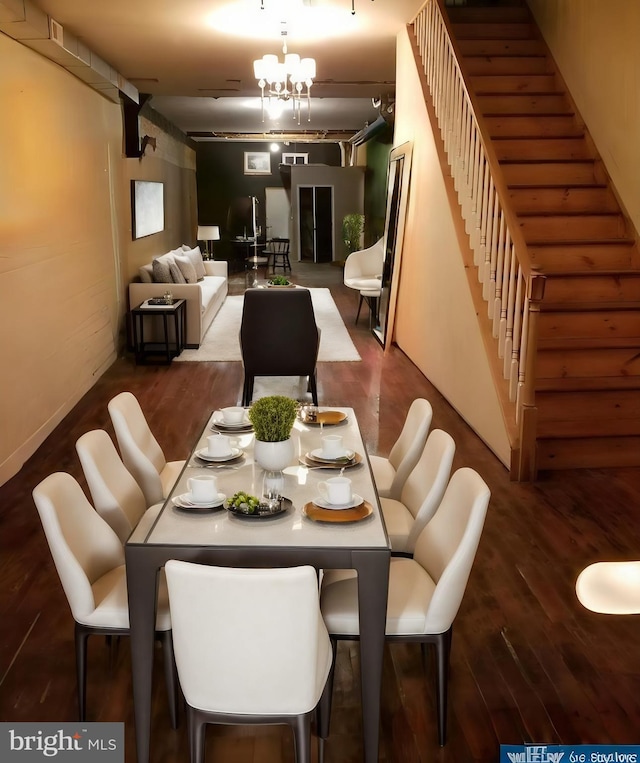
{"x":317,"y":454}
{"x":185,"y":501}
{"x":356,"y":500}
{"x":203,"y":453}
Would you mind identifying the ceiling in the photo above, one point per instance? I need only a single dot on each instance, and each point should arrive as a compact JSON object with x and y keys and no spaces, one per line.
{"x":195,"y":57}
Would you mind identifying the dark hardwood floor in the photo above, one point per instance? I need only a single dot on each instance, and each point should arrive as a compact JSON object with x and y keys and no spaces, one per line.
{"x":529,"y":664}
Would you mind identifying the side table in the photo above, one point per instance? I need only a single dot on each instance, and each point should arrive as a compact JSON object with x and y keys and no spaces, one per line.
{"x":166,"y":350}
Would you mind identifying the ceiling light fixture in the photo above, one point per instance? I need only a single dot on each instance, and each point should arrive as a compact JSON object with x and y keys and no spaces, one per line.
{"x":284,"y":81}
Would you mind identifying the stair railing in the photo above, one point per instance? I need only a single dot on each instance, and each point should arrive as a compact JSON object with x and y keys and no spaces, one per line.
{"x":511,"y":287}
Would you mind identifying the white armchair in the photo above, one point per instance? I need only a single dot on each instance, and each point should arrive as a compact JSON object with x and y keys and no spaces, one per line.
{"x":363,"y":269}
{"x":363,"y":272}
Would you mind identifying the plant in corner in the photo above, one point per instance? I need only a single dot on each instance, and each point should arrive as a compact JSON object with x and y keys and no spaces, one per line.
{"x":272,"y":418}
{"x":352,"y":227}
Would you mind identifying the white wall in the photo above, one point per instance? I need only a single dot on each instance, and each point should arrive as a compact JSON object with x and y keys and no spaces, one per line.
{"x":436,"y":324}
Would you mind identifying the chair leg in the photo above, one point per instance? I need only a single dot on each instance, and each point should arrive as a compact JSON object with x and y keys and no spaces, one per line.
{"x":324,"y":706}
{"x":301,"y":726}
{"x":359,"y":306}
{"x":170,"y":676}
{"x":81,"y":638}
{"x":247,"y":392}
{"x":197,"y":728}
{"x":443,"y":655}
{"x":314,"y":387}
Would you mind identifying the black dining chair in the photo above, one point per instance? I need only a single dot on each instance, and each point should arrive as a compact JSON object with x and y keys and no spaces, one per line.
{"x":277,"y":252}
{"x":278,"y":337}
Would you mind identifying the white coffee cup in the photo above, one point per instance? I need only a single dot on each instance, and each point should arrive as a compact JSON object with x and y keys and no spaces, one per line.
{"x":203,"y":488}
{"x":233,"y":414}
{"x":332,"y":446}
{"x":218,"y":445}
{"x":336,"y":490}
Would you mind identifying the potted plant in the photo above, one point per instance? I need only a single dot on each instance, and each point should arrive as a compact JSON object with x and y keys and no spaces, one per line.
{"x":272,"y":418}
{"x":352,"y":227}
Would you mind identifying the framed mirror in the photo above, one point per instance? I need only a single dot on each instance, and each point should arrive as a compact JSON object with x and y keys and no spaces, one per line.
{"x":395,"y":216}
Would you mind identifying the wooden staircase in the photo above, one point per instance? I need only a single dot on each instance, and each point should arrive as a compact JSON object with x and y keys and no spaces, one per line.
{"x":587,"y":391}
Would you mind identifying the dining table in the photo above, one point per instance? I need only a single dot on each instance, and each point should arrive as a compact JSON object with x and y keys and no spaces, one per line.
{"x":294,"y":534}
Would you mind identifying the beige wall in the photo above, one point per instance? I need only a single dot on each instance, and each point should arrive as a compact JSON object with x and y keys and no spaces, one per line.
{"x":595,"y":44}
{"x":65,"y":242}
{"x":436,"y":324}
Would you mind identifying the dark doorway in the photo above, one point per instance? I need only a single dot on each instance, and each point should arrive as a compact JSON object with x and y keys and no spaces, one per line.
{"x":315,"y":206}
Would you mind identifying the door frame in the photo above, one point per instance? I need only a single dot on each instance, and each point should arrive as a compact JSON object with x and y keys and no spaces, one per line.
{"x":300,"y":186}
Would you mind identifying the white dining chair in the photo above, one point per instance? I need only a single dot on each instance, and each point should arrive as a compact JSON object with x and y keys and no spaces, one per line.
{"x":421,"y":494}
{"x":363,"y":272}
{"x":89,"y":559}
{"x":391,"y":472}
{"x":140,"y":451}
{"x":250,"y":647}
{"x":425,"y":592}
{"x":610,"y":588}
{"x":115,"y":494}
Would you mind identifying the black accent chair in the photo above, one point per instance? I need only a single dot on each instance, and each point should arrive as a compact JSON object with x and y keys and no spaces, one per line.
{"x":278,"y":337}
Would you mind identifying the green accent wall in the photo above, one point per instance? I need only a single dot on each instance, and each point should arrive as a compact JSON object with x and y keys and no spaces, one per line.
{"x":375,"y":193}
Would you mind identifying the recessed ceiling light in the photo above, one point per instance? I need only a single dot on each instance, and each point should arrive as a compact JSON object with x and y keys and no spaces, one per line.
{"x":274,"y":147}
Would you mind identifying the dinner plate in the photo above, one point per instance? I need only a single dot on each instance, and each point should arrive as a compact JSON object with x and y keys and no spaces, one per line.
{"x":219,"y":422}
{"x":346,"y":516}
{"x":316,"y":455}
{"x":313,"y":463}
{"x":324,"y":418}
{"x":322,"y":503}
{"x":185,"y":503}
{"x":285,"y":504}
{"x":203,"y":454}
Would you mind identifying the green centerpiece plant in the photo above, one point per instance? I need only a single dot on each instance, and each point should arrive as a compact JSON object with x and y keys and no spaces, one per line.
{"x":273,"y":418}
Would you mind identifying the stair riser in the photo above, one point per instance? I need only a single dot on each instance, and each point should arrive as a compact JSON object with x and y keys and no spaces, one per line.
{"x":583,"y":407}
{"x":602,"y":325}
{"x":488,"y":30}
{"x":548,"y":149}
{"x":532,"y":127}
{"x":596,"y":453}
{"x":501,"y":47}
{"x":478,"y":65}
{"x":552,"y":103}
{"x":597,"y":288}
{"x":559,"y":200}
{"x":581,"y":257}
{"x":549,"y":174}
{"x":506,"y":83}
{"x":581,"y":364}
{"x":572,"y":228}
{"x":504,"y":14}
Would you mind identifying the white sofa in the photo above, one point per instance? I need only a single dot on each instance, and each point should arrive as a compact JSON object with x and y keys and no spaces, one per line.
{"x":204,"y":298}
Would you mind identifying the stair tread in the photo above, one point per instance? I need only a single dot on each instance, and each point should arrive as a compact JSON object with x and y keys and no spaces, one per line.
{"x":571,"y":213}
{"x":586,"y":383}
{"x":589,"y":306}
{"x":563,"y":160}
{"x":588,"y":343}
{"x":583,"y":242}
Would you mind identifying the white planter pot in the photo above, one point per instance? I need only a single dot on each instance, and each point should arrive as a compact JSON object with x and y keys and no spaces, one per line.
{"x":274,"y":456}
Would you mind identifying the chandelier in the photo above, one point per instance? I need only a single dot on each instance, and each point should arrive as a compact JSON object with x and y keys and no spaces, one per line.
{"x":285,"y":80}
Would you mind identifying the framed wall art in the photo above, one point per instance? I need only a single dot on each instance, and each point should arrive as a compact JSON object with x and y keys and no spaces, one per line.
{"x":257,"y":163}
{"x":147,"y":208}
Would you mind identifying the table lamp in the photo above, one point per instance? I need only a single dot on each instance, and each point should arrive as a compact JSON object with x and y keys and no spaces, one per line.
{"x":208,"y":233}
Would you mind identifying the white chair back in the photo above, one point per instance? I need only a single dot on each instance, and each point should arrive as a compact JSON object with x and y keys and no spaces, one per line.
{"x":447,"y":545}
{"x":364,"y":264}
{"x":140,"y":451}
{"x":83,"y":546}
{"x":248,"y":641}
{"x":116,"y":495}
{"x":408,"y":447}
{"x":425,"y":486}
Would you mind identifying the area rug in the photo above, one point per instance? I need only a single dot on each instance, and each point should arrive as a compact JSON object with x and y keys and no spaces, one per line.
{"x":222,"y":342}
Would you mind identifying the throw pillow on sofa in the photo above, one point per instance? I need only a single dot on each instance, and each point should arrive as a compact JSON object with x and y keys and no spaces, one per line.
{"x":176,"y":273}
{"x":162,"y":268}
{"x":186,"y":268}
{"x":196,"y":259}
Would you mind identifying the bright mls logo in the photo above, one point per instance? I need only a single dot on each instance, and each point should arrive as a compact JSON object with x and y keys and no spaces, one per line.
{"x":579,"y":753}
{"x":62,"y":742}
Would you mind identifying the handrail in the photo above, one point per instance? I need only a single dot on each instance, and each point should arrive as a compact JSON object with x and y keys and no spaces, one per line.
{"x":511,"y":285}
